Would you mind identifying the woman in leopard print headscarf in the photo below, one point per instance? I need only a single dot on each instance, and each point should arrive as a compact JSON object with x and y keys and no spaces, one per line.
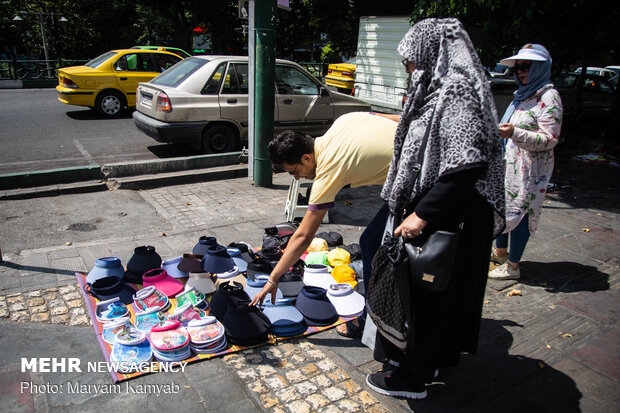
{"x":460,"y":181}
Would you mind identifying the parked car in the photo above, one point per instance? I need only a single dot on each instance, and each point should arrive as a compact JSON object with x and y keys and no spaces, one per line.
{"x":603,"y":72}
{"x":341,"y":76}
{"x":501,"y":71}
{"x":595,"y":108}
{"x":614,"y":68}
{"x":174,"y":50}
{"x":203,"y":101}
{"x":108,"y":82}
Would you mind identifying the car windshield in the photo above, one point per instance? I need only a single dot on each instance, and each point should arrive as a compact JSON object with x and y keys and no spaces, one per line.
{"x":564,"y":80}
{"x":100,"y":59}
{"x":179,"y":72}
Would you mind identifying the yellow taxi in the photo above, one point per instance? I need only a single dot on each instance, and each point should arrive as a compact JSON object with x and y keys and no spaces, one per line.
{"x":341,"y":76}
{"x":108,"y":83}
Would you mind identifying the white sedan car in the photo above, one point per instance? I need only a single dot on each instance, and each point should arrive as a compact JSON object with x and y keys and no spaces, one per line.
{"x":203,"y":101}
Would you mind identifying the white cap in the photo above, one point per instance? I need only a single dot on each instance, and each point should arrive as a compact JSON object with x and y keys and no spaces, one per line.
{"x":526,"y":54}
{"x":348,"y":303}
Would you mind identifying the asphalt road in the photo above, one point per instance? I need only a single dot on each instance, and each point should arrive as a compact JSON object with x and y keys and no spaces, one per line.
{"x":38,"y":133}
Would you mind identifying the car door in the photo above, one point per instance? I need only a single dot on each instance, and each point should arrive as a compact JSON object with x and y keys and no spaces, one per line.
{"x":303,"y":104}
{"x":597,"y":98}
{"x":132,"y":68}
{"x":233,"y":97}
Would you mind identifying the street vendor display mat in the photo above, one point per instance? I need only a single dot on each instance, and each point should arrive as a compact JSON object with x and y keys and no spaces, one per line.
{"x":106,"y":348}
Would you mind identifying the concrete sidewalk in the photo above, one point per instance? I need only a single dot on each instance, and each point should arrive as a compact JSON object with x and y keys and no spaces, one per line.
{"x":548,"y":342}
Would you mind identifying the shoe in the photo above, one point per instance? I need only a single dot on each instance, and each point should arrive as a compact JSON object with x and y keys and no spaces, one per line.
{"x":394,"y":383}
{"x":505,"y":272}
{"x":496,"y":258}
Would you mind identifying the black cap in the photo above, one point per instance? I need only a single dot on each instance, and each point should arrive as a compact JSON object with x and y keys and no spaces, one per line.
{"x":144,"y":258}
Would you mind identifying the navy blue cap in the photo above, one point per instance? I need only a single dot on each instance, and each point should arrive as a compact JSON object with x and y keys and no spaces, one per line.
{"x":217,"y":260}
{"x":316,"y":308}
{"x":204,"y":242}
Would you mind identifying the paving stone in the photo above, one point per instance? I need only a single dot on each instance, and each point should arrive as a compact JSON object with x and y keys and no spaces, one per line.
{"x":269,"y":400}
{"x":317,"y":400}
{"x":602,"y":354}
{"x":19,"y":306}
{"x":77,"y":311}
{"x":33,"y":302}
{"x":33,"y":294}
{"x":265,"y":370}
{"x":365,"y":399}
{"x":350,"y":387}
{"x":332,"y":408}
{"x":310,"y":370}
{"x":4,"y":312}
{"x":20,"y":316}
{"x":40,"y":318}
{"x":295,"y":376}
{"x":74,"y":303}
{"x":38,"y":309}
{"x":288,"y":394}
{"x":55,"y":302}
{"x":59,"y":310}
{"x":326,"y":364}
{"x":305,"y":388}
{"x":299,"y":406}
{"x":334,"y":393}
{"x":247,"y":374}
{"x":348,"y":405}
{"x":377,"y":408}
{"x":321,"y":381}
{"x":15,"y":298}
{"x":276,"y":382}
{"x":338,"y":375}
{"x":60,"y":319}
{"x":258,"y":386}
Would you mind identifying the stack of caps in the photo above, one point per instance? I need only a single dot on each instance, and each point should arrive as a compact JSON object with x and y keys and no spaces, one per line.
{"x":317,"y":275}
{"x":286,"y":320}
{"x":172,"y":268}
{"x":245,"y":324}
{"x":186,"y":313}
{"x":149,"y":318}
{"x":193,"y":297}
{"x":110,"y":287}
{"x":313,"y":304}
{"x":206,"y":336}
{"x":109,"y":310}
{"x":144,"y":259}
{"x":216,"y":260}
{"x":106,"y":267}
{"x":318,"y":244}
{"x":130,"y":349}
{"x":227,"y":295}
{"x":247,"y":252}
{"x":160,"y":279}
{"x":203,"y":244}
{"x":272,"y":254}
{"x":235,"y":254}
{"x":338,"y":256}
{"x":347,"y":302}
{"x":291,"y":282}
{"x":170,"y":341}
{"x":259,"y":266}
{"x":233,"y":275}
{"x":344,"y":274}
{"x":150,"y":297}
{"x":112,"y":328}
{"x":253,"y":287}
{"x":200,"y":281}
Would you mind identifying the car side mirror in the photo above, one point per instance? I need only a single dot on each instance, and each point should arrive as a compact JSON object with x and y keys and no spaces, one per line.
{"x":324,"y":92}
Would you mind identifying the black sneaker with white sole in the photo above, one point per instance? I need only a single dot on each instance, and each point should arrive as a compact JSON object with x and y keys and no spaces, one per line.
{"x":394,"y":383}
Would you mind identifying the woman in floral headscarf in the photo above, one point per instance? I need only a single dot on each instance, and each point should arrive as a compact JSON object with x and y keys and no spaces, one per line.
{"x":460,"y":181}
{"x":531,"y":127}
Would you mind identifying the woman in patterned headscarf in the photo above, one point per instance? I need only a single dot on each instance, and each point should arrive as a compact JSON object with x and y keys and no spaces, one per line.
{"x":460,"y":181}
{"x":531,"y":127}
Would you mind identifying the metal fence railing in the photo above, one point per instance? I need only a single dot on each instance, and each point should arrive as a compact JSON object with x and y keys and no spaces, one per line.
{"x":33,"y":69}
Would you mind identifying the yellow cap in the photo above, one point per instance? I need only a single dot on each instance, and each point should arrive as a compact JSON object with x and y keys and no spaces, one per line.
{"x":338,"y":256}
{"x":344,"y":274}
{"x":318,"y":244}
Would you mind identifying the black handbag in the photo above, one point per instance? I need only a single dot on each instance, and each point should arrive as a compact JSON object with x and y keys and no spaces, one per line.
{"x":431,"y":259}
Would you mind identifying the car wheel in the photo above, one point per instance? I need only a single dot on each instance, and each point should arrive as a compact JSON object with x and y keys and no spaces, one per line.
{"x":110,"y":103}
{"x":218,"y":139}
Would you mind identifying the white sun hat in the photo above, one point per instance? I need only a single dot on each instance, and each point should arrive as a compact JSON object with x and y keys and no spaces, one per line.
{"x":526,"y":53}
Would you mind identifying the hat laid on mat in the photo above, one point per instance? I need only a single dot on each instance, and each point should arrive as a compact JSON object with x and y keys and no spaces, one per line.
{"x":333,"y":239}
{"x":318,"y":244}
{"x":232,"y":276}
{"x":172,"y":268}
{"x":148,"y":318}
{"x":110,"y":287}
{"x":316,"y":308}
{"x":318,"y":275}
{"x":347,"y":302}
{"x":227,"y":294}
{"x":318,"y":257}
{"x":344,"y":274}
{"x":160,"y":279}
{"x":291,"y":283}
{"x":247,"y":252}
{"x":254,"y":286}
{"x":144,"y":258}
{"x":204,"y":242}
{"x":217,"y":260}
{"x":283,"y":313}
{"x":191,"y":295}
{"x":185,"y":313}
{"x":112,"y":328}
{"x":201,"y":281}
{"x":245,"y":324}
{"x":235,"y":254}
{"x":111,"y":309}
{"x":273,"y":254}
{"x":106,"y":267}
{"x":190,"y":263}
{"x":150,"y":297}
{"x":131,"y":347}
{"x":338,"y":256}
{"x":259,"y":266}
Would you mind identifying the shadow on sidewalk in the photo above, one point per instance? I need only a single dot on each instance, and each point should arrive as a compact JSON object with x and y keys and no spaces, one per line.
{"x":496,"y":381}
{"x":33,"y":268}
{"x":563,"y":277}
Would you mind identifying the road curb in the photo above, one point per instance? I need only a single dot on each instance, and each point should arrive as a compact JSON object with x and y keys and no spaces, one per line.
{"x":49,"y":177}
{"x":53,"y":190}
